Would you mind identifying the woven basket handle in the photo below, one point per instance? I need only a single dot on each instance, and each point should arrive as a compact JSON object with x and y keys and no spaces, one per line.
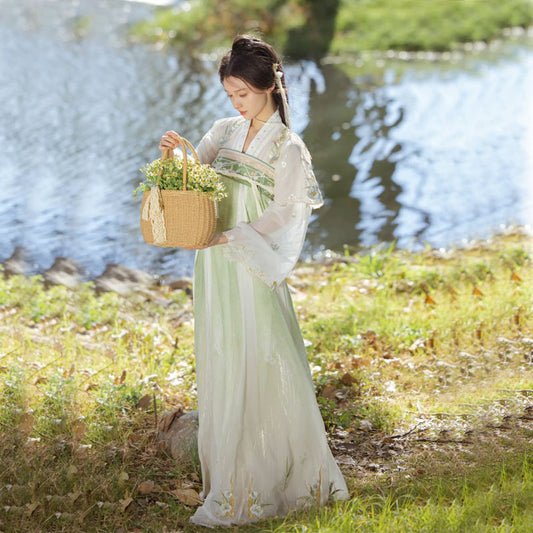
{"x":184,"y":144}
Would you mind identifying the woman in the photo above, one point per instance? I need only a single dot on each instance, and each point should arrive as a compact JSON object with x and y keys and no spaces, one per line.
{"x":261,"y":440}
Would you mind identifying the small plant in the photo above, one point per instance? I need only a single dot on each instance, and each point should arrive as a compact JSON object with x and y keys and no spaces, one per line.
{"x":167,"y":174}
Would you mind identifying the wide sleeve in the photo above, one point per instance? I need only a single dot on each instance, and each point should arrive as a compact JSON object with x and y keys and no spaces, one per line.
{"x":295,"y":179}
{"x":208,"y":147}
{"x":270,"y":245}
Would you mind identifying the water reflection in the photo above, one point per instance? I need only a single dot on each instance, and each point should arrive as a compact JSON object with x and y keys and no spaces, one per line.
{"x":355,"y":160}
{"x":330,"y":138}
{"x":431,"y":155}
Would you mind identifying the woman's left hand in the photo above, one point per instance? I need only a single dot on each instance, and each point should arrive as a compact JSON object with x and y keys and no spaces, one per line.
{"x":218,"y":238}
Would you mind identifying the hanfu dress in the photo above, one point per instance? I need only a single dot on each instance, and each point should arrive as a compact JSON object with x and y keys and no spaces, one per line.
{"x":261,"y":441}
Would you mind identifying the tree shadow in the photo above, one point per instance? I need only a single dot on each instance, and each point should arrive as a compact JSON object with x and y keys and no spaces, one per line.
{"x":312,"y":39}
{"x":355,"y":157}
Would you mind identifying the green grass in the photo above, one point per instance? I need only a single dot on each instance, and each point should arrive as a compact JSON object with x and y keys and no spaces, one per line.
{"x":498,"y":498}
{"x":424,"y":24}
{"x":436,"y":343}
{"x":359,"y":25}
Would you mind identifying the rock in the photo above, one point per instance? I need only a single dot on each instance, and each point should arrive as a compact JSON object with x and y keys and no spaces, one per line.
{"x":122,"y":279}
{"x":178,"y":434}
{"x":16,"y":264}
{"x":183,"y":284}
{"x":64,"y":271}
{"x":184,"y":315}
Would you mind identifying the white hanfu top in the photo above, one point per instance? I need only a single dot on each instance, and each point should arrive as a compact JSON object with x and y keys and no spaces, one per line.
{"x":271,"y":244}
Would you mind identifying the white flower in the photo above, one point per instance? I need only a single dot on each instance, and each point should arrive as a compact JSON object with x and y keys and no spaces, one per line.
{"x":256,"y":510}
{"x":225,"y":509}
{"x":390,"y":386}
{"x":253,"y":495}
{"x":227,"y":494}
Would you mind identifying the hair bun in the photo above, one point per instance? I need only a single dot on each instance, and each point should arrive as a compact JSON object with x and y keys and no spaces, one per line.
{"x":242,"y":43}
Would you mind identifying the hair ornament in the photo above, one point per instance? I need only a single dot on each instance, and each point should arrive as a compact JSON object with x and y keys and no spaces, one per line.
{"x":278,"y":74}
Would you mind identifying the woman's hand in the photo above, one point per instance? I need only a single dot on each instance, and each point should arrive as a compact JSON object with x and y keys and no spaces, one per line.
{"x":169,"y":141}
{"x":218,"y":238}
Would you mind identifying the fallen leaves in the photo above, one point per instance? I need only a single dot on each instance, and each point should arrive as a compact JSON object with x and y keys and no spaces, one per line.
{"x":187,"y":496}
{"x":146,"y":487}
{"x":78,"y":429}
{"x":144,"y":402}
{"x":26,"y":423}
{"x":348,"y":379}
{"x":125,"y":502}
{"x":476,"y":291}
{"x":167,"y":419}
{"x":429,"y":300}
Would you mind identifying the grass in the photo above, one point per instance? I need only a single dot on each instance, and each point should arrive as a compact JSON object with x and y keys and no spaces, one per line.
{"x":423,"y":369}
{"x":356,"y":25}
{"x":491,"y":499}
{"x":417,"y":25}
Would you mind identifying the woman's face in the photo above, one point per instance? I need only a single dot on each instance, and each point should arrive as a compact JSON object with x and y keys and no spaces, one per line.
{"x":247,"y":100}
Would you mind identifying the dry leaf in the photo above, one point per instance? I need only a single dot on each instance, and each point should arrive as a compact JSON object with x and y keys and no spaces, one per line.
{"x":166,"y":420}
{"x":187,"y":496}
{"x":359,"y":360}
{"x":348,"y":379}
{"x":74,"y":496}
{"x":146,"y":487}
{"x":26,"y":423}
{"x":145,"y":402}
{"x":329,"y":391}
{"x":31,"y":507}
{"x":82,"y":451}
{"x":429,"y":300}
{"x":78,"y":429}
{"x":477,"y":292}
{"x":515,"y":277}
{"x":126,"y":502}
{"x":123,"y":476}
{"x":451,"y":290}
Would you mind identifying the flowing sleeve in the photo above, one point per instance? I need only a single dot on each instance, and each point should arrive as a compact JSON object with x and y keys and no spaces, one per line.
{"x":270,"y":245}
{"x":208,"y":147}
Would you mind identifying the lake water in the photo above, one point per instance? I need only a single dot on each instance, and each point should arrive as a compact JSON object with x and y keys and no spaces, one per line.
{"x":417,"y":152}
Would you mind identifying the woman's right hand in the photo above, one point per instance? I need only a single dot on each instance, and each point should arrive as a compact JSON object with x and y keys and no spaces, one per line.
{"x":169,"y":141}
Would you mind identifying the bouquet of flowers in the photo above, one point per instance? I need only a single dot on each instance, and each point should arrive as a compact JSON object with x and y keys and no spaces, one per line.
{"x":167,"y":174}
{"x":179,"y":201}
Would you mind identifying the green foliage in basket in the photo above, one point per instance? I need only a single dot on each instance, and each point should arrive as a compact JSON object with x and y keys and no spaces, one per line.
{"x":200,"y":177}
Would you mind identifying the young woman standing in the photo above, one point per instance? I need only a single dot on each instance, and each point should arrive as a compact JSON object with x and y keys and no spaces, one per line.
{"x":262,"y":442}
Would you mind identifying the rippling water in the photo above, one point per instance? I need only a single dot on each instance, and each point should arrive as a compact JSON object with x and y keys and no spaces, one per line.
{"x":434,"y":154}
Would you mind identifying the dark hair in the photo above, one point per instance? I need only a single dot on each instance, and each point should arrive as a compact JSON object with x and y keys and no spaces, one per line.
{"x":252,"y":60}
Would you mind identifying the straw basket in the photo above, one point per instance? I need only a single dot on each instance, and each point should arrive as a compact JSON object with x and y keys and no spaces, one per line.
{"x":182,"y":218}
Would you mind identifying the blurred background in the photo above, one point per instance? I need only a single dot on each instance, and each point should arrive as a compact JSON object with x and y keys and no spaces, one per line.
{"x":418,"y":116}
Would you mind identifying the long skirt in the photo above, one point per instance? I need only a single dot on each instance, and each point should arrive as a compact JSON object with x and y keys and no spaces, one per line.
{"x":262,"y":442}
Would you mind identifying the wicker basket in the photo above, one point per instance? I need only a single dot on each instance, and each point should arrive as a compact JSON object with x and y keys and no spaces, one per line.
{"x":185,"y":219}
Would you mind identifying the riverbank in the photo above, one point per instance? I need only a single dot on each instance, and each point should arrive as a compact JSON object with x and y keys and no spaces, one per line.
{"x":423,"y":366}
{"x":311,"y":30}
